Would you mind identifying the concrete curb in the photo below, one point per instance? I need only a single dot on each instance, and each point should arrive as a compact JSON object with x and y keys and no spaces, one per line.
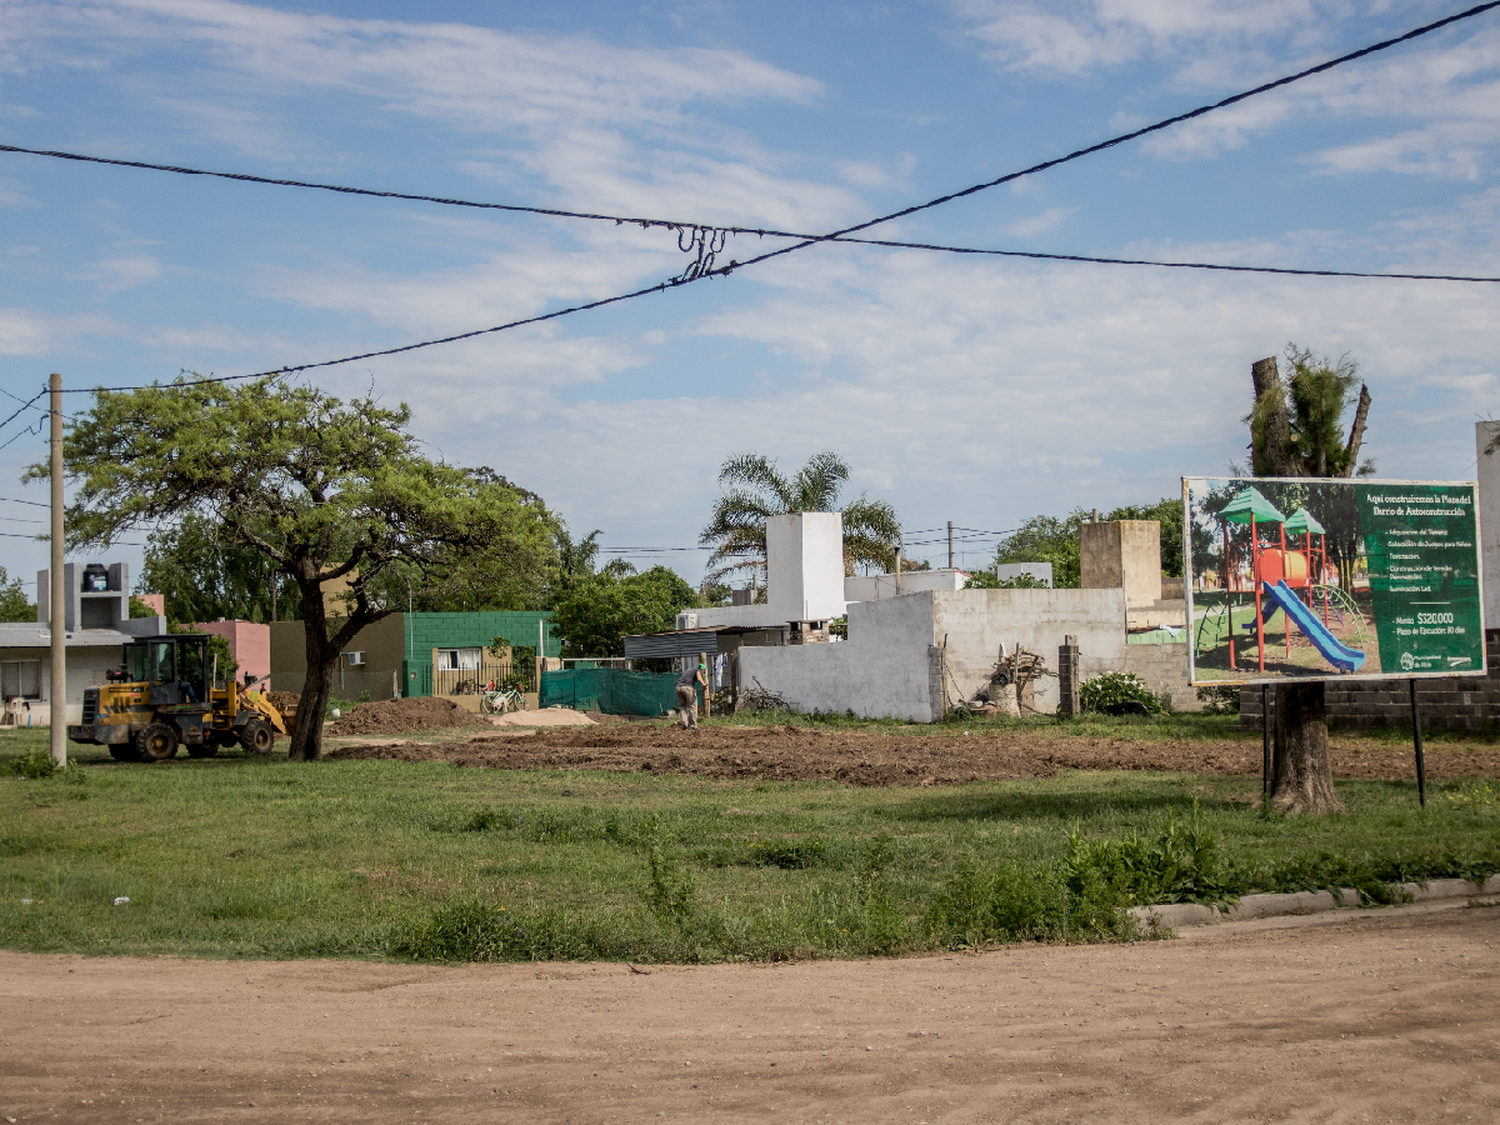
{"x":1176,"y":915}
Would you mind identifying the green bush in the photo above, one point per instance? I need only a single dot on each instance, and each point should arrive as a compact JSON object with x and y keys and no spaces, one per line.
{"x":1119,"y":693}
{"x":1220,"y":699}
{"x":33,"y":763}
{"x":1180,"y":862}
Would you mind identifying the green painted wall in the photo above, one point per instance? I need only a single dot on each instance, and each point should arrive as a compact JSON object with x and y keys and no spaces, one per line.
{"x":427,"y":631}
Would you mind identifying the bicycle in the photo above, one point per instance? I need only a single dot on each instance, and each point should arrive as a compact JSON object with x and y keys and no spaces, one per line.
{"x":498,"y":701}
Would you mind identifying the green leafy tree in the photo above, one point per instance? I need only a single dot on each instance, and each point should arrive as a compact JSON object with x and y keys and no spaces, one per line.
{"x":1296,"y":423}
{"x":1049,"y":540}
{"x":324,"y":489}
{"x":595,"y":615}
{"x":755,"y":490}
{"x":14,"y":605}
{"x":1168,"y":513}
{"x":203,"y":577}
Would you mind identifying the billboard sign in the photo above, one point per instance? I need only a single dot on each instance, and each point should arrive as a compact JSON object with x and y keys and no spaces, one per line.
{"x":1327,"y":579}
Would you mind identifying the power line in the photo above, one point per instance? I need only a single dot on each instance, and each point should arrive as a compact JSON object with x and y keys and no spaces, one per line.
{"x":1136,"y":134}
{"x":698,"y":274}
{"x":680,"y":224}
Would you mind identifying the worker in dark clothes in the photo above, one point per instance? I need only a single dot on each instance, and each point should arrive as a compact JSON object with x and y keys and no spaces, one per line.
{"x":687,"y":694}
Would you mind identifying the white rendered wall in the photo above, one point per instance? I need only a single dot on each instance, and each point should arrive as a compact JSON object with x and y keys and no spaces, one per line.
{"x":888,"y":666}
{"x":86,"y":668}
{"x":886,"y":669}
{"x":804,"y":574}
{"x":805,"y":566}
{"x":1489,"y":519}
{"x":873,"y":587}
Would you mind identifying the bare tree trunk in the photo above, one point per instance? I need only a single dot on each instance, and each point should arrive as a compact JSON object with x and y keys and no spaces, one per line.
{"x":1301,"y":774}
{"x":1357,"y":431}
{"x":1270,"y":431}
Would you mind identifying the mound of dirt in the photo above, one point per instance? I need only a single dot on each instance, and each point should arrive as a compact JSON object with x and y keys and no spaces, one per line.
{"x":857,"y":758}
{"x":283,"y":701}
{"x":396,"y":716}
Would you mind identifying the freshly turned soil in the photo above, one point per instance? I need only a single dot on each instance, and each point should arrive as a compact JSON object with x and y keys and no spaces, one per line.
{"x":397,"y":716}
{"x":858,"y":758}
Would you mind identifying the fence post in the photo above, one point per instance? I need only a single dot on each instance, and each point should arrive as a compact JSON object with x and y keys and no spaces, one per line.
{"x":1068,"y":703}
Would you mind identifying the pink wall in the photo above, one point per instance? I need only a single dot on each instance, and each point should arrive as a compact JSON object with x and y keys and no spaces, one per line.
{"x":250,"y":644}
{"x":157,"y":602}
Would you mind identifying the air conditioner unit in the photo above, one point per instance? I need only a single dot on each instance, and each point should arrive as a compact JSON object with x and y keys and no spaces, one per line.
{"x":687,"y":620}
{"x":356,"y":659}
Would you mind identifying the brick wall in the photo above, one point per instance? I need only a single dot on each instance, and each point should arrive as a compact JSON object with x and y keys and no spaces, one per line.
{"x":1451,"y":703}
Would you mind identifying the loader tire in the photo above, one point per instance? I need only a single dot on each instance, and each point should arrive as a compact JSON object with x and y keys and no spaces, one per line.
{"x":257,"y":737}
{"x":156,"y":743}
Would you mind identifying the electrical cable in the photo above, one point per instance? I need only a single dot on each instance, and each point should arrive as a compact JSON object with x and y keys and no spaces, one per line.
{"x":685,"y":225}
{"x":1136,"y":134}
{"x":698,"y":274}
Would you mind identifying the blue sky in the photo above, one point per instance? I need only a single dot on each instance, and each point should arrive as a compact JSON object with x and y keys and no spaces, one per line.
{"x":981,"y":391}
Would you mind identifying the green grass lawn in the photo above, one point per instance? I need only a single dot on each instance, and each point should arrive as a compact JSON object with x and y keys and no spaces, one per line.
{"x":235,"y":857}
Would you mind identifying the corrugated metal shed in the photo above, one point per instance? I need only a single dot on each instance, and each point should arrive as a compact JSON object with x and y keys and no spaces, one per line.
{"x":678,"y":642}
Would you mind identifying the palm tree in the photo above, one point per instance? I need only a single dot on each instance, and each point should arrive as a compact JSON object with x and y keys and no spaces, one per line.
{"x":756,"y":490}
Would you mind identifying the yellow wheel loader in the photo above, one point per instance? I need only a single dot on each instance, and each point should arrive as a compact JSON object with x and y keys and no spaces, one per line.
{"x":163,"y":696}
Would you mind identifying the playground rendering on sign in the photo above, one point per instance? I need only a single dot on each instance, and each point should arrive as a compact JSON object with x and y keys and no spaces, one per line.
{"x":1324,"y":579}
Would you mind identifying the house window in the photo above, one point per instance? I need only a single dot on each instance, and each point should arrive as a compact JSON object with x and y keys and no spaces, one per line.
{"x":21,"y":679}
{"x":459,"y":659}
{"x":356,"y":659}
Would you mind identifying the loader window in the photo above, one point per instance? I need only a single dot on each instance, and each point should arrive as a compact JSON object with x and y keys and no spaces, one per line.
{"x":137,"y":666}
{"x":191,"y":672}
{"x":161,"y":665}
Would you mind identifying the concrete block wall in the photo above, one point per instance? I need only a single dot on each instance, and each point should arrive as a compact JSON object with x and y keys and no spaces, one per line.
{"x":1165,"y":670}
{"x":1448,"y":703}
{"x":886,"y":669}
{"x":1122,"y":554}
{"x":976,"y":622}
{"x":906,"y":655}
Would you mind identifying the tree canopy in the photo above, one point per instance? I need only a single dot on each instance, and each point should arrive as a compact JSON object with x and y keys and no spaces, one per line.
{"x":1297,"y":418}
{"x":595,"y":614}
{"x":755,"y":490}
{"x":1048,"y":539}
{"x":324,"y":489}
{"x":14,"y":605}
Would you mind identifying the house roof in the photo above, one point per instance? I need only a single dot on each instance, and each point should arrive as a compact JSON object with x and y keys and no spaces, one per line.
{"x":31,"y":634}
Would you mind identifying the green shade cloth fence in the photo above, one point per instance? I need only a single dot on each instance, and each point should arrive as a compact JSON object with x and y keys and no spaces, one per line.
{"x":613,"y":691}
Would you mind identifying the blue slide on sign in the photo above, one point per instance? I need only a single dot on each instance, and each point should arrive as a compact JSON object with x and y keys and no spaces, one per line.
{"x":1340,"y":655}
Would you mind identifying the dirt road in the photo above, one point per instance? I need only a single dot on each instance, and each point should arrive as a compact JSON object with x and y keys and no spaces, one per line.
{"x":1371,"y":1016}
{"x":861,"y":758}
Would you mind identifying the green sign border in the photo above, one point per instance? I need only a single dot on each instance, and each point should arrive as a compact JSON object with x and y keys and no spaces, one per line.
{"x":1421,"y":543}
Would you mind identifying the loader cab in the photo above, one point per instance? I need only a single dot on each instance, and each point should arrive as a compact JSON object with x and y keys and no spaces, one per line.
{"x":174,"y":668}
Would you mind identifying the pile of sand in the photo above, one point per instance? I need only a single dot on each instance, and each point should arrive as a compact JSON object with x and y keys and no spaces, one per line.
{"x":394,"y":716}
{"x":551,"y":717}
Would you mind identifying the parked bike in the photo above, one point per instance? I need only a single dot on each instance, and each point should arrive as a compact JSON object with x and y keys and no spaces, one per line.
{"x":497,"y":701}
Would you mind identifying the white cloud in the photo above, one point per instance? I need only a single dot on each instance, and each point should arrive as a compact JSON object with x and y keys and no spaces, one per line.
{"x":27,"y":332}
{"x":471,"y":77}
{"x":124,"y":271}
{"x":1075,"y":37}
{"x":1043,"y":223}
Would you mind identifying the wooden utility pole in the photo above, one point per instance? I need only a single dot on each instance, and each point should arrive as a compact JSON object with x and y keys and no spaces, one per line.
{"x":950,"y":544}
{"x":58,"y":593}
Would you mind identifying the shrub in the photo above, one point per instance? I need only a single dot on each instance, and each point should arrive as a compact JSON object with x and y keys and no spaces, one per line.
{"x":1220,"y":699}
{"x":33,"y":763}
{"x":1119,"y":693}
